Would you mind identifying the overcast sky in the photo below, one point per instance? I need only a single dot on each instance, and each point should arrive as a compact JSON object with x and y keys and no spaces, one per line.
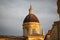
{"x":13,"y":12}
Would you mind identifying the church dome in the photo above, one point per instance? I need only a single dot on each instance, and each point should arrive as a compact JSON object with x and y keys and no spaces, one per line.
{"x":30,"y":18}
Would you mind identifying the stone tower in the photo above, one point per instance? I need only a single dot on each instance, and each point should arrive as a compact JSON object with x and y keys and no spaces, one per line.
{"x":31,"y":25}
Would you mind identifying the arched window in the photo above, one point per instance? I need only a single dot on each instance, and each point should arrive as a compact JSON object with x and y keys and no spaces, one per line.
{"x":27,"y":30}
{"x":33,"y":31}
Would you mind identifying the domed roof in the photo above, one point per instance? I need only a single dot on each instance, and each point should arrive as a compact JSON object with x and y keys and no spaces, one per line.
{"x":30,"y":18}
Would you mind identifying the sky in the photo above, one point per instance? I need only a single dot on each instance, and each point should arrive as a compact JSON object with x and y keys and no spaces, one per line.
{"x":13,"y":12}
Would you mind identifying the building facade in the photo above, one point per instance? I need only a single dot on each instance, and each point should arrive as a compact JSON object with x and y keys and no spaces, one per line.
{"x":47,"y":37}
{"x":55,"y":31}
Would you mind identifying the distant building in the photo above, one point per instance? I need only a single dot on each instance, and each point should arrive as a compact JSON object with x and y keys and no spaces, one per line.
{"x":4,"y":37}
{"x":31,"y":29}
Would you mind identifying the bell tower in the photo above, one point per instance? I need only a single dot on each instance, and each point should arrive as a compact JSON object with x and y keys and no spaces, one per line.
{"x":31,"y":25}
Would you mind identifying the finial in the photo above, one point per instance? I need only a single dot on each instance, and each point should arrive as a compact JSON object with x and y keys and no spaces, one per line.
{"x":42,"y":31}
{"x":30,"y":10}
{"x":30,"y":6}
